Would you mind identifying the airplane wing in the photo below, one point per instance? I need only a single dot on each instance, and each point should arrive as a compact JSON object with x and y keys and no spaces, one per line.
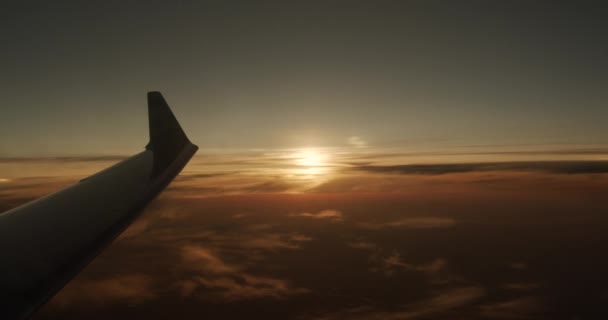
{"x":46,"y":242}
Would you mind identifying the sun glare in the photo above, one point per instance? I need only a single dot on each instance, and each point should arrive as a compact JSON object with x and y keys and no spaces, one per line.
{"x":310,"y":163}
{"x":310,"y":158}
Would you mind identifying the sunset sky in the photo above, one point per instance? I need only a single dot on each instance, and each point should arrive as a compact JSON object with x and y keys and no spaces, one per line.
{"x":242,"y":74}
{"x":358,"y":159}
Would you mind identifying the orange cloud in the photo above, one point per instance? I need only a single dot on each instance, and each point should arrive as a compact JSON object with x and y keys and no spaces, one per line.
{"x":227,"y":281}
{"x":328,"y":214}
{"x":411,"y":222}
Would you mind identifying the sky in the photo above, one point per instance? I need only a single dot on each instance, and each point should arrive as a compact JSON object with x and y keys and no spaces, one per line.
{"x":414,"y":75}
{"x":358,"y":159}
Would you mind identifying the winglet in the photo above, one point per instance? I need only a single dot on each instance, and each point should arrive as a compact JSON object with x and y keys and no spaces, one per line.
{"x":167,"y":139}
{"x":166,"y":135}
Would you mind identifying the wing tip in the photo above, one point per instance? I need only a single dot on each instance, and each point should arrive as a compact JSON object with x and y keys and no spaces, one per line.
{"x":154,"y":93}
{"x":165,"y":130}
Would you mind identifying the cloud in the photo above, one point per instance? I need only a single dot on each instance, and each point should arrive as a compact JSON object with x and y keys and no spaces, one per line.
{"x":99,"y":292}
{"x":245,"y":240}
{"x":521,"y":308}
{"x":269,"y":186}
{"x":274,"y":241}
{"x":454,"y":298}
{"x":364,"y":245}
{"x":300,"y":237}
{"x":522,"y":286}
{"x":489,"y":152}
{"x":242,"y":287}
{"x":328,"y":214}
{"x":518,"y":265}
{"x":357,"y":142}
{"x":432,"y":267}
{"x":21,"y":190}
{"x":412,"y":223}
{"x":204,"y":259}
{"x":442,"y":302}
{"x":230,"y":184}
{"x":390,"y":264}
{"x":189,"y":176}
{"x":246,"y":247}
{"x":560,"y":167}
{"x":226,"y":281}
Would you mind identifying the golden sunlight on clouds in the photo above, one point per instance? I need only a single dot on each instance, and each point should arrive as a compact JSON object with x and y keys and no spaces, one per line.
{"x":310,"y":158}
{"x":329,"y":214}
{"x":311,"y":163}
{"x":3,"y":180}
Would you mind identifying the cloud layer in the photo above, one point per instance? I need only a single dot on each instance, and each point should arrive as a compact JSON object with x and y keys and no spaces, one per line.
{"x":392,"y":242}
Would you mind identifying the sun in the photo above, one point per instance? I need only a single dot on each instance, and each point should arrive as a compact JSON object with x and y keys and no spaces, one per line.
{"x":310,"y":158}
{"x":310,"y":164}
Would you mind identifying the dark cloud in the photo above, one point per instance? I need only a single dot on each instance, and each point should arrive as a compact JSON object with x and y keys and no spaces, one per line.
{"x":519,"y":265}
{"x":442,"y":302}
{"x":522,"y":286}
{"x":491,"y":151}
{"x":520,"y":308}
{"x":410,"y":222}
{"x":559,"y":167}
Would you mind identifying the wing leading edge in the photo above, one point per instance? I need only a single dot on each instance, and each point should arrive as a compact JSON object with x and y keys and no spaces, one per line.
{"x":46,"y":242}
